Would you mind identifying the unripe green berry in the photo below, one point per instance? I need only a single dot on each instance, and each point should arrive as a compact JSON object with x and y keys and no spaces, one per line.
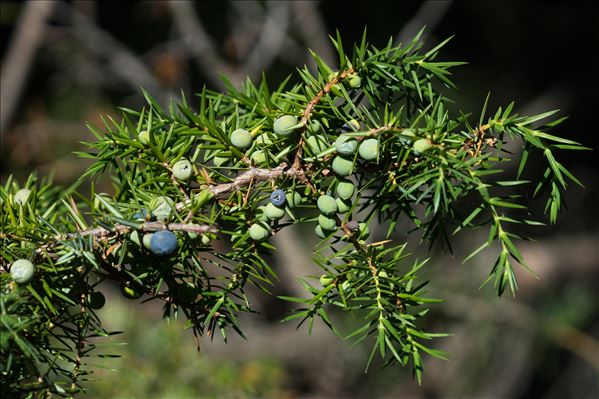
{"x":206,"y":239}
{"x":96,"y":300}
{"x":319,"y":232}
{"x":343,"y":206}
{"x":259,"y":231}
{"x":182,"y":170}
{"x":259,"y":157}
{"x":364,"y":231}
{"x":144,"y":137}
{"x":146,"y":241}
{"x":22,"y":271}
{"x":421,"y":145}
{"x":355,"y":82}
{"x":241,"y":139}
{"x":193,"y":235}
{"x":263,"y":139}
{"x":22,"y":196}
{"x":293,"y":199}
{"x":326,"y":204}
{"x":315,"y":126}
{"x":327,"y":223}
{"x":342,"y":166}
{"x":317,"y":144}
{"x":326,"y":280}
{"x":346,"y":145}
{"x":131,"y":290}
{"x":274,"y":212}
{"x":162,"y":207}
{"x":261,"y":214}
{"x":284,"y":125}
{"x":369,"y":149}
{"x":345,"y":189}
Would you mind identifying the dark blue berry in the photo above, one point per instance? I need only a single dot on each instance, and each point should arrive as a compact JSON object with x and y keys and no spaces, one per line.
{"x":277,"y":198}
{"x":163,"y":243}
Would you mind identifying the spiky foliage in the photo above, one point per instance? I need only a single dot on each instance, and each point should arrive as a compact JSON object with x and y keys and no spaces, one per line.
{"x":427,"y":161}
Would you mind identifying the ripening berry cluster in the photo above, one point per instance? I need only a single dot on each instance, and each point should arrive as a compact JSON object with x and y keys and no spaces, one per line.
{"x":345,"y":148}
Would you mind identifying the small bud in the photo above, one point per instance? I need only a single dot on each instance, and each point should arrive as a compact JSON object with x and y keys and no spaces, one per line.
{"x":355,"y":82}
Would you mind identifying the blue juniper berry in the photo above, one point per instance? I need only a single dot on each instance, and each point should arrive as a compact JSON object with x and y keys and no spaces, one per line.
{"x":277,"y":197}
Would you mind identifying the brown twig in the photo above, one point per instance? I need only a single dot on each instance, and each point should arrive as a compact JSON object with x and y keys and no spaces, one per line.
{"x":474,"y":145}
{"x":308,"y":111}
{"x":101,"y":232}
{"x":181,"y":190}
{"x":252,"y":175}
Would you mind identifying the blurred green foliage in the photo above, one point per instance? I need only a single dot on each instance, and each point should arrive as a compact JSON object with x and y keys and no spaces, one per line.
{"x":159,"y":361}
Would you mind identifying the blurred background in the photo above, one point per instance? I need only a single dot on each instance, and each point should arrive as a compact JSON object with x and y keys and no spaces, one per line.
{"x":67,"y":62}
